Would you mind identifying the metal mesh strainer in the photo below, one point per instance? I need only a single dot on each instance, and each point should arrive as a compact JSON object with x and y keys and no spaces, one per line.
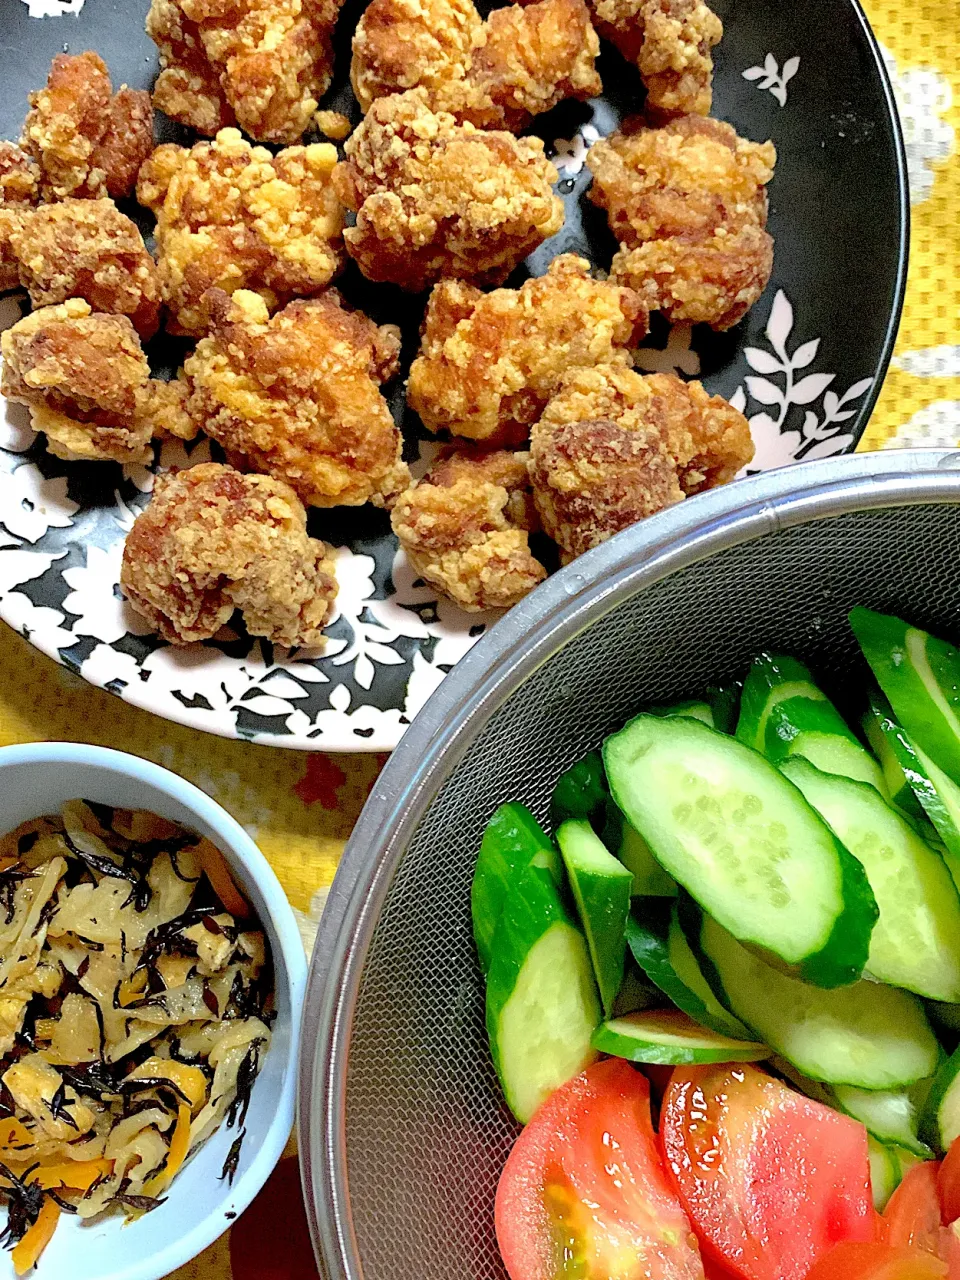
{"x":402,"y":1131}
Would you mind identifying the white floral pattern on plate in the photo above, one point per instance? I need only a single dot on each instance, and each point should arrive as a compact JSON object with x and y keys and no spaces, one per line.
{"x":771,"y":77}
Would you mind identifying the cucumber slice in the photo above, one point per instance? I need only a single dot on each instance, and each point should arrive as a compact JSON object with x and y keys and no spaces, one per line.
{"x":701,"y":711}
{"x":724,"y":700}
{"x":890,"y":1115}
{"x":868,"y":1035}
{"x":653,"y":945}
{"x":787,"y":715}
{"x":580,"y":792}
{"x":511,"y":840}
{"x":884,"y":1172}
{"x":940,"y":1122}
{"x":898,"y":788}
{"x":744,"y":843}
{"x":649,"y":878}
{"x":601,"y":889}
{"x":916,"y":941}
{"x":669,"y":1037}
{"x":542,"y":1006}
{"x":920,"y":674}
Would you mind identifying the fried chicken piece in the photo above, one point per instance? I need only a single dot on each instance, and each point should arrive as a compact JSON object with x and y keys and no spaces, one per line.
{"x":19,"y":192}
{"x":435,"y":198}
{"x":688,"y":204}
{"x":465,"y":528}
{"x":88,"y":141}
{"x":488,"y":363}
{"x":298,"y":397}
{"x":212,"y":541}
{"x":87,"y":249}
{"x":262,"y":64}
{"x":670,"y":41}
{"x":82,"y":376}
{"x":614,"y":446}
{"x":497,"y":74}
{"x":231,"y":216}
{"x":164,"y":407}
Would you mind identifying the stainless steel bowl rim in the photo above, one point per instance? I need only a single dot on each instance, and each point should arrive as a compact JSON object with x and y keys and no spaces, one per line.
{"x":431,"y":748}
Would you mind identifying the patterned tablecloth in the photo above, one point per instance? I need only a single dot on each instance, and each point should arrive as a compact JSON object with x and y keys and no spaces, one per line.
{"x":300,"y":808}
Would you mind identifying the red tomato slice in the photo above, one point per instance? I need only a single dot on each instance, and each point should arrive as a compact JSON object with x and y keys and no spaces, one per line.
{"x":912,"y":1214}
{"x":584,"y":1190}
{"x":950,"y":1249}
{"x":876,"y":1262}
{"x":948,"y":1184}
{"x":769,"y":1178}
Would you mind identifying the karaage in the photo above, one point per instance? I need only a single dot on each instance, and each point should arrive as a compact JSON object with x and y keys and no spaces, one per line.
{"x":298,"y":397}
{"x":465,"y":528}
{"x":82,"y":376}
{"x":488,"y":363}
{"x":232,"y":216}
{"x":87,"y":140}
{"x":688,"y":204}
{"x":212,"y":541}
{"x":436,"y":199}
{"x":87,"y":249}
{"x":671,"y":43}
{"x":19,"y":192}
{"x":497,"y":74}
{"x":614,"y":446}
{"x":262,"y":64}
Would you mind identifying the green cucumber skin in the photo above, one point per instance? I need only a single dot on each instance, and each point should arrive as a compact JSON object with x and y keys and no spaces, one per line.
{"x":511,"y":840}
{"x":724,"y":700}
{"x":930,"y":1120}
{"x":841,"y":957}
{"x":841,"y":802}
{"x":580,"y":792}
{"x":766,"y":673}
{"x":695,"y":710}
{"x":898,"y":786}
{"x":607,"y":1040}
{"x":602,"y":894}
{"x":649,"y":947}
{"x":888,"y":644}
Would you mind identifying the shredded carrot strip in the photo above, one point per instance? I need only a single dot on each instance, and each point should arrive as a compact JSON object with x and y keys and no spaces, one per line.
{"x":179,"y":1145}
{"x":14,"y":1136}
{"x":78,"y":1175}
{"x":224,"y":886}
{"x":33,"y":1243}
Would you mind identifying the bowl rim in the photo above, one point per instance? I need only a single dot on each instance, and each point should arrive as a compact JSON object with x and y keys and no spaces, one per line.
{"x":280,"y":925}
{"x":458,"y":711}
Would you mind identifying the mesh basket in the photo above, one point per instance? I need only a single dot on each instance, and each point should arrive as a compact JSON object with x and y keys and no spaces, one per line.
{"x":402,"y":1122}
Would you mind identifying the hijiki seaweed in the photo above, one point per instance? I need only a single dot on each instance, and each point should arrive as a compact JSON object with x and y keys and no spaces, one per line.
{"x":136,"y":1001}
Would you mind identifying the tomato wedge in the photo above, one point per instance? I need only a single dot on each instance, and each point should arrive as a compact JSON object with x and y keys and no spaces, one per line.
{"x":948,"y":1184}
{"x":584,"y":1192}
{"x":912,"y":1215}
{"x":876,"y":1262}
{"x":770,"y":1179}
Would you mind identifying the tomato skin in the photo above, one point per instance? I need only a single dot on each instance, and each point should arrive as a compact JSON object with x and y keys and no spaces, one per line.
{"x":912,"y":1215}
{"x":948,"y":1184}
{"x":950,"y":1250}
{"x":586,"y":1173}
{"x":770,"y":1179}
{"x":850,"y":1261}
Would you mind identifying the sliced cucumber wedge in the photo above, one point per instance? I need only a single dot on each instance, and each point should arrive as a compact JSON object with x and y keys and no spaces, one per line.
{"x":512,"y":840}
{"x":920,"y":674}
{"x":898,"y":788}
{"x":669,"y":1037}
{"x":868,"y":1035}
{"x":916,"y":941}
{"x":785,"y":714}
{"x":701,"y":711}
{"x":940,"y":1122}
{"x":724,"y":701}
{"x":580,"y":792}
{"x":658,"y":951}
{"x":741,"y":839}
{"x":884,"y":1172}
{"x":601,"y":889}
{"x":890,"y":1115}
{"x":649,"y":878}
{"x":542,"y":1006}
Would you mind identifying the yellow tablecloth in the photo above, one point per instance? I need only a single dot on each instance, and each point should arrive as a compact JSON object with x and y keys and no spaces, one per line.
{"x":300,"y":808}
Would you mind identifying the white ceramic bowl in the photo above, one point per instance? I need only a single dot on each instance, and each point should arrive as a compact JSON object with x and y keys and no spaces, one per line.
{"x":37,"y":779}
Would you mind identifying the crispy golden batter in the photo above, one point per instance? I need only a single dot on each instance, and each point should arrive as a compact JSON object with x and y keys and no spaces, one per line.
{"x":688,"y":204}
{"x":435,"y":198}
{"x":231,"y":216}
{"x":262,"y":64}
{"x":88,"y":141}
{"x":614,"y":446}
{"x":19,"y":191}
{"x":87,"y":249}
{"x":498,"y":73}
{"x":298,"y":397}
{"x":465,"y":528}
{"x":489,"y":362}
{"x":164,"y":407}
{"x":212,"y":541}
{"x":671,"y":43}
{"x":83,"y":376}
